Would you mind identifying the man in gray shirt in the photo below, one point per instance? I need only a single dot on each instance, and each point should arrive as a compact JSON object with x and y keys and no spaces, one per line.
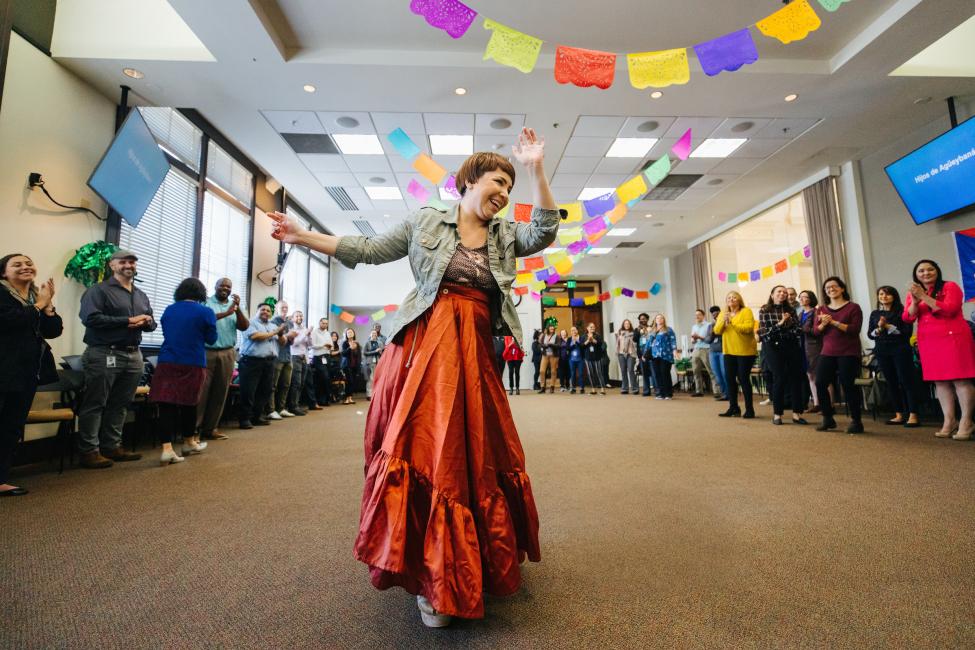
{"x":115,"y":313}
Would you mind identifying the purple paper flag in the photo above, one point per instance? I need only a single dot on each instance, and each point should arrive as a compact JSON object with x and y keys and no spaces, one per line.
{"x":542,"y":275}
{"x":655,"y":289}
{"x":722,"y":276}
{"x":627,"y":292}
{"x":451,"y":187}
{"x":728,"y":52}
{"x":599,"y":205}
{"x":577,"y":302}
{"x":577,"y":247}
{"x":553,"y":278}
{"x":417,"y":191}
{"x":806,"y":251}
{"x":683,"y":147}
{"x":593,"y":226}
{"x":361,"y":320}
{"x":449,"y":15}
{"x":755,"y":276}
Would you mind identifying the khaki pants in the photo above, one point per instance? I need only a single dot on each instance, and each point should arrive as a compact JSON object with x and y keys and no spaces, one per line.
{"x":220,"y":369}
{"x":701,"y":362}
{"x":552,"y":364}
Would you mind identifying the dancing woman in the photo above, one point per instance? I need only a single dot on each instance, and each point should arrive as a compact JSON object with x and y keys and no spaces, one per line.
{"x":447,"y":509}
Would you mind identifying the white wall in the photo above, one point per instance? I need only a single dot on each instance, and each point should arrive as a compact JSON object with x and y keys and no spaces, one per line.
{"x":368,"y":285}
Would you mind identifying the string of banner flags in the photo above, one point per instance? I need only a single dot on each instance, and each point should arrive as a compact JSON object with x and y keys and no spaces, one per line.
{"x":659,"y":69}
{"x":764,"y":272}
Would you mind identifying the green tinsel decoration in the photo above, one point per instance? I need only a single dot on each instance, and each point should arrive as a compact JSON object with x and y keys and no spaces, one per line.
{"x":271,"y":302}
{"x":551,"y":320}
{"x":90,"y":263}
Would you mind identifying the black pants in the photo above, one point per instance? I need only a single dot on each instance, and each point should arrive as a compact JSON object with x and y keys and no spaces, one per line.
{"x":14,"y":406}
{"x":537,"y":362}
{"x":351,"y":380}
{"x":564,"y":373}
{"x":785,"y":362}
{"x":255,"y":375}
{"x":594,"y":370}
{"x":738,"y":372}
{"x":176,"y":420}
{"x":646,"y":370}
{"x":898,"y":369}
{"x":848,"y":369}
{"x":514,"y":374}
{"x":661,"y":371}
{"x":321,"y":380}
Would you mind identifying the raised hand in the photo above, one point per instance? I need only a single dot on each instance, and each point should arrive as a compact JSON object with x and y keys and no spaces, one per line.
{"x":284,"y":228}
{"x":45,"y":293}
{"x":530,"y":148}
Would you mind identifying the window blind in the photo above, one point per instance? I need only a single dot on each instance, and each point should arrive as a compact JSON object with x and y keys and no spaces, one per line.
{"x":176,"y":133}
{"x":225,"y":246}
{"x":229,"y":174}
{"x":294,"y":281}
{"x":317,"y":293}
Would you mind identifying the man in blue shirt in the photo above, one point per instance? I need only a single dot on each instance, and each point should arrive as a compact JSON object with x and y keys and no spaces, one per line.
{"x":258,"y":351}
{"x":221,"y":358}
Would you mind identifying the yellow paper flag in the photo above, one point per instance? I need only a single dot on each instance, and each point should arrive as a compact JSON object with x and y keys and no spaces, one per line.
{"x":536,"y":285}
{"x":379,"y":315}
{"x":574,"y":210}
{"x":617,"y":291}
{"x":792,"y":22}
{"x":795,"y":258}
{"x":590,"y":300}
{"x":743,"y":277}
{"x":503,"y":212}
{"x":429,"y":169}
{"x":510,"y":47}
{"x":569,"y":235}
{"x":564,"y":266}
{"x":767,"y":272}
{"x":523,"y":278}
{"x":561,"y":302}
{"x":658,"y":69}
{"x":632,"y":189}
{"x":557,"y":257}
{"x":617,"y":213}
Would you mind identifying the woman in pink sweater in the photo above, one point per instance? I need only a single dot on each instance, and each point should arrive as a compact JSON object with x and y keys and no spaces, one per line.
{"x":945,"y":345}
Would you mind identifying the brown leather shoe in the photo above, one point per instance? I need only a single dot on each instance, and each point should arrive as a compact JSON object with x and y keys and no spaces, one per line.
{"x":119,"y":455}
{"x":94,"y":460}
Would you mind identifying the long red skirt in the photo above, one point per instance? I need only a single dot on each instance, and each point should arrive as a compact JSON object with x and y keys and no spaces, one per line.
{"x":447,"y":509}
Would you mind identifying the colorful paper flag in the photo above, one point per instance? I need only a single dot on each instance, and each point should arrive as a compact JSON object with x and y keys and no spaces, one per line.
{"x":436,"y":203}
{"x":562,"y":302}
{"x":520,"y":291}
{"x":574,"y":210}
{"x":536,"y":285}
{"x":590,"y":300}
{"x":584,"y":68}
{"x":450,"y":186}
{"x":577,"y":247}
{"x":417,"y":191}
{"x":594,"y":225}
{"x":403,"y":144}
{"x":617,"y":291}
{"x":503,"y":212}
{"x":390,"y":308}
{"x":655,"y":289}
{"x":795,"y":258}
{"x":767,"y":272}
{"x":335,"y":309}
{"x":632,"y":189}
{"x":556,"y":257}
{"x":429,"y":169}
{"x":627,"y":292}
{"x":542,"y":275}
{"x":347,"y":317}
{"x":534,"y":263}
{"x":733,"y":276}
{"x":536,"y":296}
{"x":755,"y":276}
{"x":743,"y":277}
{"x":569,"y":235}
{"x":548,"y":301}
{"x":965,"y":247}
{"x":722,"y":276}
{"x":781,"y":265}
{"x":452,"y":16}
{"x":728,"y":52}
{"x":806,"y":251}
{"x":793,"y":22}
{"x":379,"y":315}
{"x":604,"y":296}
{"x":599,"y":205}
{"x":658,"y":170}
{"x":512,"y":48}
{"x":576,"y":302}
{"x":362,"y":320}
{"x":595,"y":237}
{"x":658,"y":69}
{"x":683,"y":147}
{"x":564,"y":267}
{"x":523,"y":278}
{"x":615,"y":215}
{"x":553,"y":278}
{"x":831,"y":5}
{"x":642,"y":295}
{"x":523,"y":212}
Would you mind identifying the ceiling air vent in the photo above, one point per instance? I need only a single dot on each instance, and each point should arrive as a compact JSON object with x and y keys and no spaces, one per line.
{"x":341,"y":197}
{"x":671,"y":187}
{"x":310,"y":142}
{"x":630,"y":244}
{"x":364,"y":227}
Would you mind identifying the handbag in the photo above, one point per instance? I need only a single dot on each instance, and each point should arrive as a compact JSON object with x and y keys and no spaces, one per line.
{"x":47,"y":372}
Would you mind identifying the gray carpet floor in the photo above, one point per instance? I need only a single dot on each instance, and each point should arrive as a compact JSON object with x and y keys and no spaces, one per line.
{"x":661,"y":526}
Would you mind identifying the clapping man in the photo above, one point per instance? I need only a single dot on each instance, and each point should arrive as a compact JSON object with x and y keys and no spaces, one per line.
{"x":257,"y":355}
{"x":221,"y":358}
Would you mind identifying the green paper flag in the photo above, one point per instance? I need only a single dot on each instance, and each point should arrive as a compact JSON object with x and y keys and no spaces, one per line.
{"x":658,"y":170}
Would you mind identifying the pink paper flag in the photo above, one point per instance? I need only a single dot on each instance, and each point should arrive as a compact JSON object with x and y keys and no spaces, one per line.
{"x":536,"y":296}
{"x":361,"y":320}
{"x":451,"y":187}
{"x":417,"y":191}
{"x":806,"y":251}
{"x":577,"y":247}
{"x":683,"y":147}
{"x":722,"y":276}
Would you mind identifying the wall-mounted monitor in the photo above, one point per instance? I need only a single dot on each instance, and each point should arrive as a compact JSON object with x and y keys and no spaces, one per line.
{"x":131,"y":171}
{"x":938,"y":178}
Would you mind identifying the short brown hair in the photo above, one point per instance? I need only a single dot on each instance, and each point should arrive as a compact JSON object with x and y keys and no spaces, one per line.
{"x":479,"y":164}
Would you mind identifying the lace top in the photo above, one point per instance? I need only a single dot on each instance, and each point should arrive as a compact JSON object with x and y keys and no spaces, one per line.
{"x":470,"y":266}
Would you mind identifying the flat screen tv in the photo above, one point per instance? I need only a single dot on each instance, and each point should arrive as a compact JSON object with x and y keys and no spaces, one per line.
{"x":131,"y":171}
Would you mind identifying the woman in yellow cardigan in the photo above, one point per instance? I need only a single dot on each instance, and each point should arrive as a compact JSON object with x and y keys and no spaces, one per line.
{"x":736,"y":325}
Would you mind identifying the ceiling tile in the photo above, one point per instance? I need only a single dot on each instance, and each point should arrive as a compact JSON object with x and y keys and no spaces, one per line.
{"x":617,"y":166}
{"x":761,"y":148}
{"x":482,"y":124}
{"x":366,"y":179}
{"x":294,"y":121}
{"x":709,"y":181}
{"x":606,"y":180}
{"x":701,"y":128}
{"x":693,"y":198}
{"x":389,"y":122}
{"x":329,"y":121}
{"x":746,"y":127}
{"x":336,"y":179}
{"x":398,"y":162}
{"x":631,"y":128}
{"x":397,"y":205}
{"x":663,"y":146}
{"x":569,"y":180}
{"x":372,"y":163}
{"x":696,"y":165}
{"x":449,"y":123}
{"x":450,"y":163}
{"x":498,"y":143}
{"x":735,"y":165}
{"x":584,"y":146}
{"x":598,"y":125}
{"x":787,"y":127}
{"x":578,"y":164}
{"x":359,"y":197}
{"x":324,"y":162}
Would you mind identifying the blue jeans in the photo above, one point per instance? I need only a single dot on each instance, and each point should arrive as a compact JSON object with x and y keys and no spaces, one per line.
{"x":717,"y":366}
{"x":628,"y":373}
{"x":575,"y":373}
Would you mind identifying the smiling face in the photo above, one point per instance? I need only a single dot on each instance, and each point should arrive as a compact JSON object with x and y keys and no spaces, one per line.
{"x":283,"y":309}
{"x":733,"y":302}
{"x":926,"y":273}
{"x":792,"y":295}
{"x":884,"y":298}
{"x":124,"y":267}
{"x":591,"y":328}
{"x":804,"y":299}
{"x":299,"y":318}
{"x":833,"y":290}
{"x":222,"y":289}
{"x":19,"y":270}
{"x":779,"y":295}
{"x":323,"y":324}
{"x":488,"y":195}
{"x":264,"y":313}
{"x":574,"y":332}
{"x":660,"y":321}
{"x":349,"y":335}
{"x":699,"y":316}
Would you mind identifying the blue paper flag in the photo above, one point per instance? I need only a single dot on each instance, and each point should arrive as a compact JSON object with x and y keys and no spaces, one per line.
{"x":755,"y":276}
{"x":577,"y":302}
{"x":402,"y":143}
{"x":600,"y":205}
{"x":728,"y":52}
{"x":655,"y":289}
{"x":335,"y":309}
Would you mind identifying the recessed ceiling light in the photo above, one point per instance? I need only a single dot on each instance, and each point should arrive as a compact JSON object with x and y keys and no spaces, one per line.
{"x":718,"y":147}
{"x":132,"y":72}
{"x":621,"y":232}
{"x":657,"y":224}
{"x":631,"y":147}
{"x":383,"y":193}
{"x":385,"y":216}
{"x":656,"y":94}
{"x":309,"y":88}
{"x":377,"y":180}
{"x":741,"y":127}
{"x":460,"y":91}
{"x":648,"y":216}
{"x":599,"y":251}
{"x":716,"y":181}
{"x":445,"y":195}
{"x":452,"y":145}
{"x":648,"y":127}
{"x":355,"y":144}
{"x":588,"y":193}
{"x":347,"y":122}
{"x":791,"y":98}
{"x":501,"y":123}
{"x":922,"y":100}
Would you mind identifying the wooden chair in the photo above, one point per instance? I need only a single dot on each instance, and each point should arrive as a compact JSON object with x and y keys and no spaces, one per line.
{"x":62,"y":412}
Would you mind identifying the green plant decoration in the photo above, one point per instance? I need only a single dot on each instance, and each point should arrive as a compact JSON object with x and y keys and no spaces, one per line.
{"x":271,"y":302}
{"x":90,"y":263}
{"x":551,"y":320}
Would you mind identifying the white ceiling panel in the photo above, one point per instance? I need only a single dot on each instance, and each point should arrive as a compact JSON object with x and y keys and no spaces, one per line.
{"x":696,"y":165}
{"x":569,"y":180}
{"x":369,"y":163}
{"x":637,"y":127}
{"x":598,"y":125}
{"x":449,"y":123}
{"x":324,"y":162}
{"x":578,"y":164}
{"x":762,"y":148}
{"x":787,"y":127}
{"x":585,"y":146}
{"x":359,"y":197}
{"x":710,"y":181}
{"x":450,"y":163}
{"x":734,"y":165}
{"x":663,"y":146}
{"x":497,"y":143}
{"x":695,"y":197}
{"x":294,"y":121}
{"x":701,"y":127}
{"x":389,"y":122}
{"x":483,"y":124}
{"x":336,"y":179}
{"x":606,"y":180}
{"x":366,"y":179}
{"x":617,"y":165}
{"x":330,"y":120}
{"x":740,"y":127}
{"x":397,"y":205}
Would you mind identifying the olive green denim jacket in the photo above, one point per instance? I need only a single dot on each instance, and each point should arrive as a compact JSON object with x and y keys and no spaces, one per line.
{"x":429,"y":237}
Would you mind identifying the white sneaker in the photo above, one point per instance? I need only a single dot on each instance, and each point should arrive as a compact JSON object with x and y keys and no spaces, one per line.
{"x":765,"y":402}
{"x":274,"y":416}
{"x":170,"y":457}
{"x":193,"y":449}
{"x":429,"y":615}
{"x":285,"y":413}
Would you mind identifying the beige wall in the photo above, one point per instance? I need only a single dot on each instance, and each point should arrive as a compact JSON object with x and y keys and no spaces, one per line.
{"x":53,"y":123}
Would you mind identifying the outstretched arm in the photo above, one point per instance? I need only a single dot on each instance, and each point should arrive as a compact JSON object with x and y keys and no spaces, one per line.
{"x":387,"y":247}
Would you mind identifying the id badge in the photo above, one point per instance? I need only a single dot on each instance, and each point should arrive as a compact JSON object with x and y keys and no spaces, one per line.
{"x":110,"y":361}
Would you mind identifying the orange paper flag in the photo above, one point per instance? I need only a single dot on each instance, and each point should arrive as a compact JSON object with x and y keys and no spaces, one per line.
{"x":534,"y":263}
{"x":523,"y":212}
{"x":429,"y":169}
{"x":347,"y":317}
{"x":642,"y":295}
